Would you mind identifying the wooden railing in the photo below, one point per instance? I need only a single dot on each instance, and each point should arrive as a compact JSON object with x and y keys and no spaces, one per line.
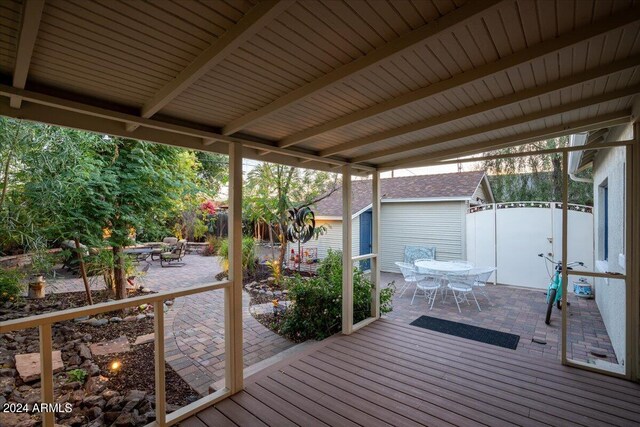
{"x":45,"y":321}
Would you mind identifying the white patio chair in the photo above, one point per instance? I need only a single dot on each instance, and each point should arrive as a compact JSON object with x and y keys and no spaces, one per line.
{"x":429,"y":287}
{"x":480,"y":278}
{"x":460,"y":286}
{"x":410,"y":275}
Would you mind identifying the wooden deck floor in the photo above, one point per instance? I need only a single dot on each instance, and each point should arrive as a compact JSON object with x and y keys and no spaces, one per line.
{"x":393,"y":374}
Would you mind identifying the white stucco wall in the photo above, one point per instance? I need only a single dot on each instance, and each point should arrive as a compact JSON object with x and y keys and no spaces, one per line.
{"x":609,"y":168}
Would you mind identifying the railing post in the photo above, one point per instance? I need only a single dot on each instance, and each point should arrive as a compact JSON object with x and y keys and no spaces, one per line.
{"x":347,"y":269}
{"x":233,"y":294}
{"x":158,"y":329}
{"x":375,"y":243}
{"x":46,"y":373}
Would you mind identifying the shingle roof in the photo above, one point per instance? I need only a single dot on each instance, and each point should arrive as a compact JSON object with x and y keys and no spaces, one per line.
{"x":462,"y":184}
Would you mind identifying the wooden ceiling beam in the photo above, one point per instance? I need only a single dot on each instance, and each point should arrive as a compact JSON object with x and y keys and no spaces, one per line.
{"x":431,"y":159}
{"x":515,"y":121}
{"x":254,"y":21}
{"x":99,"y":119}
{"x":31,"y":15}
{"x":385,"y":52}
{"x":484,"y":107}
{"x":523,"y":56}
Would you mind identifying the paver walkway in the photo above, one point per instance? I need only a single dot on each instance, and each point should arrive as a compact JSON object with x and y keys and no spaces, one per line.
{"x":194,"y":326}
{"x":518,"y":311}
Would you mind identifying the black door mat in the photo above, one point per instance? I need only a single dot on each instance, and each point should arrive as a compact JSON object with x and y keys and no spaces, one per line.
{"x":462,"y":330}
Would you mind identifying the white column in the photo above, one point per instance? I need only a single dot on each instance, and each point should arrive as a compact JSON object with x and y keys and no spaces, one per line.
{"x":347,"y":270}
{"x":233,"y":294}
{"x":375,"y":243}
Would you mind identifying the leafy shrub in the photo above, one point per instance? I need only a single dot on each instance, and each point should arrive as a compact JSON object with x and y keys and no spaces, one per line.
{"x":317,"y":309}
{"x":11,"y":285}
{"x":276,"y":270}
{"x":248,"y":254}
{"x":213,"y":246}
{"x":78,"y":375}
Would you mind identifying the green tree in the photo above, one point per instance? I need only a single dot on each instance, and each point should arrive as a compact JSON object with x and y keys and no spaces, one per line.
{"x":536,"y":177}
{"x":270,"y":190}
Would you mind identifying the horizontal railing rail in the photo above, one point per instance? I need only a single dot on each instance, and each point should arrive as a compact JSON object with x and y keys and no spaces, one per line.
{"x":363,"y":257}
{"x":105,"y":307}
{"x":45,"y":321}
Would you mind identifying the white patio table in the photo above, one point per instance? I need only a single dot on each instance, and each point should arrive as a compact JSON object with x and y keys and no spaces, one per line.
{"x":442,"y":268}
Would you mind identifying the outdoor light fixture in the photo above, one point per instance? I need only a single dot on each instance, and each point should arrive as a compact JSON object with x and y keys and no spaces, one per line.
{"x":115,"y":365}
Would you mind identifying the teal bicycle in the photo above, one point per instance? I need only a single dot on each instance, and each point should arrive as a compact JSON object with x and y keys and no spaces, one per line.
{"x":554,"y":291}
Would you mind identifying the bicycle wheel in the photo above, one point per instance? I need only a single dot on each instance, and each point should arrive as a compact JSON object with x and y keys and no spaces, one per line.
{"x":552,"y":299}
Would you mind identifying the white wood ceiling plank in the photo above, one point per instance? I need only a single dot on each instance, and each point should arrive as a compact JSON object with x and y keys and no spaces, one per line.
{"x":529,"y":18}
{"x":497,"y":32}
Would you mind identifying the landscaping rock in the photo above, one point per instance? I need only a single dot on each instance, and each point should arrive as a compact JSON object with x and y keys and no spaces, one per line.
{"x":115,"y":319}
{"x":92,"y":401}
{"x":74,"y":360}
{"x":109,"y":394}
{"x":145,"y":290}
{"x":130,"y":318}
{"x":169,"y":302}
{"x":125,"y":420}
{"x":28,"y":365}
{"x":143,"y":339}
{"x":75,"y":385}
{"x":141,"y":316}
{"x":96,"y":384}
{"x":97,"y":322}
{"x":7,"y":385}
{"x":115,"y":403}
{"x":118,"y":345}
{"x":81,"y":319}
{"x":7,"y":372}
{"x":84,"y":351}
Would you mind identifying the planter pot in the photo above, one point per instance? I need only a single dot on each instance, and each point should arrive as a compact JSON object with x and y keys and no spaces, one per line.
{"x":37,"y":288}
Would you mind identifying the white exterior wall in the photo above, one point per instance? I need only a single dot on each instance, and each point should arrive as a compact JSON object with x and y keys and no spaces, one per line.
{"x":610,"y":294}
{"x":332,"y":239}
{"x":439,"y":224}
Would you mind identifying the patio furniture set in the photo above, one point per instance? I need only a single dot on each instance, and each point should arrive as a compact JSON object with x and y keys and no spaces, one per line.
{"x":430,"y":277}
{"x":170,"y":252}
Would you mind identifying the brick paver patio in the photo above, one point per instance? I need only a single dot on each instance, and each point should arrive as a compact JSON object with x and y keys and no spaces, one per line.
{"x":518,"y":311}
{"x":194,"y":326}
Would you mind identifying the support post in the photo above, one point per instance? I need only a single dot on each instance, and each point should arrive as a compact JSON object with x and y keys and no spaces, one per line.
{"x":375,"y":243}
{"x":233,"y":294}
{"x":565,"y":234}
{"x":347,"y":269}
{"x":161,"y":393}
{"x":46,"y":373}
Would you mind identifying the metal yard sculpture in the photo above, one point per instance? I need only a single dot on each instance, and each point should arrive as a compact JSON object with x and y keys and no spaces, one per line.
{"x":301,"y":227}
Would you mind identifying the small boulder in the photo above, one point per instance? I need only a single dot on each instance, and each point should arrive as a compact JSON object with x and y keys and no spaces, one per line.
{"x":115,"y":319}
{"x":84,"y":351}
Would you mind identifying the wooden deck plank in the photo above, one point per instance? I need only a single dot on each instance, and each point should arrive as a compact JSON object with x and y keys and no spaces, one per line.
{"x":330,"y":402}
{"x":192,"y":422}
{"x":309,"y":406}
{"x":488,"y":351}
{"x":497,"y":390}
{"x":577,"y":391}
{"x":213,"y":417}
{"x":586,"y":402}
{"x":417,"y":387}
{"x":238,"y":414}
{"x":502,"y":360}
{"x":276,"y":403}
{"x":393,"y":374}
{"x":262,"y":411}
{"x":353,"y":395}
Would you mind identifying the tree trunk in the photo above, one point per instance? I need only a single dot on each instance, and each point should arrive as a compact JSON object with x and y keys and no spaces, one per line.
{"x":83,"y":271}
{"x":119,"y":274}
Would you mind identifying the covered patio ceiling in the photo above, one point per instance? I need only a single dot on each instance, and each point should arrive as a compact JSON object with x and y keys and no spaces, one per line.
{"x":319,"y":84}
